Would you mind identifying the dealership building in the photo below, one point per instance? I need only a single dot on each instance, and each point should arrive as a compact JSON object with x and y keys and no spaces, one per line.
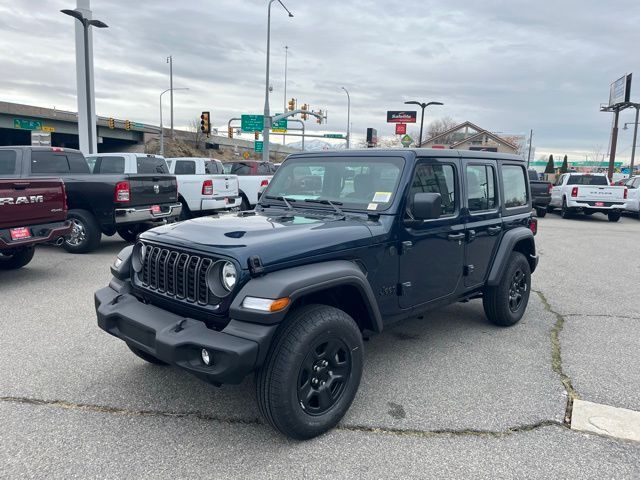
{"x":468,"y":136}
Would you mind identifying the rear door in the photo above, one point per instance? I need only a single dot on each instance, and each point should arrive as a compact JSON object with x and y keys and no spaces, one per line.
{"x":152,"y":185}
{"x":484,"y":222}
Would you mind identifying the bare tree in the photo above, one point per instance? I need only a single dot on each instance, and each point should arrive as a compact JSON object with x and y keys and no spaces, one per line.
{"x":596,"y":154}
{"x":439,"y":126}
{"x":196,"y":134}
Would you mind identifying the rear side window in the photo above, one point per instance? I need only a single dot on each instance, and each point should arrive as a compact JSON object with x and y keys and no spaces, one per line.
{"x":151,"y":165}
{"x":263,"y":169}
{"x":44,"y":163}
{"x":7,"y":163}
{"x":481,"y":188}
{"x":212,"y":167}
{"x":587,"y":180}
{"x":440,"y":179}
{"x":109,"y":165}
{"x":77,"y":163}
{"x":185,"y":167}
{"x":514,"y":186}
{"x":238,"y":168}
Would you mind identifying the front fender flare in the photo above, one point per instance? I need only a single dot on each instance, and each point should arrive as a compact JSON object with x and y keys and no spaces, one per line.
{"x":299,"y":281}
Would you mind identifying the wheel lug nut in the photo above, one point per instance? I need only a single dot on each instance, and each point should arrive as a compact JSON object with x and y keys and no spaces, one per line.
{"x":314,"y":381}
{"x":316,"y":368}
{"x":323,"y":382}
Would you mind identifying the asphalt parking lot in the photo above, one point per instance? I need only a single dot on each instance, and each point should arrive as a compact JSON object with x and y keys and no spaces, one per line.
{"x":449,"y":395}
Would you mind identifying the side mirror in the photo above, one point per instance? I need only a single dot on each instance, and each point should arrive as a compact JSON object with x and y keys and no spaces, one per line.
{"x":426,"y":206}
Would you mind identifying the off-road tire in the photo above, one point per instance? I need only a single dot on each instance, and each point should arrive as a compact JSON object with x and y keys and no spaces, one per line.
{"x":84,"y":220}
{"x":145,"y":356}
{"x":614,"y":216}
{"x":497,"y":300}
{"x":15,"y":259}
{"x":290,"y":366}
{"x":541,"y":211}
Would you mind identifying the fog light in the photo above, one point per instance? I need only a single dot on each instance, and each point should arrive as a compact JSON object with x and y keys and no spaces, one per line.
{"x":206,"y":359}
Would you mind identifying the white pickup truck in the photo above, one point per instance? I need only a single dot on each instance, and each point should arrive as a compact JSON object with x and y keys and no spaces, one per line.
{"x":203,"y":187}
{"x":588,"y":193}
{"x":253,"y":177}
{"x":633,"y":202}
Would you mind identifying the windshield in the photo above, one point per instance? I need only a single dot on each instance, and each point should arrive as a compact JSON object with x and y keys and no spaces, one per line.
{"x":587,"y":180}
{"x":354,"y":182}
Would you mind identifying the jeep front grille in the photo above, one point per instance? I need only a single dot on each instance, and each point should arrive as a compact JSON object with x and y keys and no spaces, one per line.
{"x":176,"y":275}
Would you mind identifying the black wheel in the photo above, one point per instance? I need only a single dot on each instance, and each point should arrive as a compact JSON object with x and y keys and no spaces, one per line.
{"x":541,"y":211}
{"x":614,"y":216}
{"x":245,"y":205}
{"x":85,"y":232}
{"x":506,"y":303}
{"x":185,"y":213}
{"x":129,"y":233}
{"x":565,"y":212}
{"x":18,"y":258}
{"x":145,"y":356}
{"x":312,"y":372}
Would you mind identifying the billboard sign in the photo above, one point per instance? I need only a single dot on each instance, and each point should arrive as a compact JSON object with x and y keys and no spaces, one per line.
{"x":620,"y":90}
{"x":395,"y":116}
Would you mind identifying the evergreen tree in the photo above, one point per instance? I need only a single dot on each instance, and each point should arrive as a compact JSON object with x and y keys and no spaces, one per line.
{"x":550,"y":168}
{"x":565,"y":165}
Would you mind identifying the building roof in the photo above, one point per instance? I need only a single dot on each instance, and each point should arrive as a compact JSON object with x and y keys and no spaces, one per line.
{"x":488,"y":134}
{"x":473,"y":126}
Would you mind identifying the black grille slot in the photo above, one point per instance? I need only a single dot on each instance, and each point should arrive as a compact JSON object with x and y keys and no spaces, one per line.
{"x":176,"y":275}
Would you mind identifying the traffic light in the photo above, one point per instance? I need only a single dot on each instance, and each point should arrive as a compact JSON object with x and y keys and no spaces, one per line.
{"x":292,"y":104}
{"x":304,"y":109}
{"x":112,"y":123}
{"x":319,"y":119}
{"x":230,"y":132}
{"x":256,"y":135}
{"x":205,"y":125}
{"x":127,"y":125}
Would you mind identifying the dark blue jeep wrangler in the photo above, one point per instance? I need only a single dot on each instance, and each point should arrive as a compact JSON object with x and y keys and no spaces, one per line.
{"x":341,"y":245}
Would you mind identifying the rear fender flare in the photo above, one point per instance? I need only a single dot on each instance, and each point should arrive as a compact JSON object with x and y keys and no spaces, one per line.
{"x":507,"y":245}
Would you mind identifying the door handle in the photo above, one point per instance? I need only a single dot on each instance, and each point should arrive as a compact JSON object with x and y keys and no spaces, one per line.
{"x":494,"y":230}
{"x":456,"y":236}
{"x":471,"y":235}
{"x":21,"y":185}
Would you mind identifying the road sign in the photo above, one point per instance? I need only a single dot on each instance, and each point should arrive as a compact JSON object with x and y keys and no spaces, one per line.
{"x":252,"y":123}
{"x":246,"y":155}
{"x":24,"y":124}
{"x":40,"y":139}
{"x":401,"y":128}
{"x":406,"y":140}
{"x":333,"y":135}
{"x":46,"y":128}
{"x":280,"y":124}
{"x":279,"y":130}
{"x":258,"y":146}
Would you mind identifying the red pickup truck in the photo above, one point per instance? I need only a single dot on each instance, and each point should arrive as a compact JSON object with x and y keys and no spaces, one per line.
{"x":32,"y":211}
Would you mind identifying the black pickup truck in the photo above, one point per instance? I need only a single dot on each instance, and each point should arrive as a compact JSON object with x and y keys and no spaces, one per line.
{"x":101,"y":204}
{"x":540,"y":193}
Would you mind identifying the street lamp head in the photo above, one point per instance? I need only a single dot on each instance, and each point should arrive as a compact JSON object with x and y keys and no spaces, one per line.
{"x":285,"y":7}
{"x":73,"y":13}
{"x":412,"y":102}
{"x":98,"y":24}
{"x":435,"y":103}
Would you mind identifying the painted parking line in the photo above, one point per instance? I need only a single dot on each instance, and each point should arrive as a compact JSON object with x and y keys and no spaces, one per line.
{"x":605,"y":420}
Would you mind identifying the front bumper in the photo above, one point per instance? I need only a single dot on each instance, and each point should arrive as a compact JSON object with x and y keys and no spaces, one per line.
{"x":40,"y":234}
{"x":146,"y":214}
{"x":236,"y":351}
{"x":220,"y":203}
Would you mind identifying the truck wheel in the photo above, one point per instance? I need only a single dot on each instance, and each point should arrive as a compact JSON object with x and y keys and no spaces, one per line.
{"x":312,"y":372}
{"x":145,"y":356}
{"x":565,"y":212}
{"x":18,"y":258}
{"x":244,"y":205}
{"x":85,"y":232}
{"x":185,"y":213}
{"x":541,"y":211}
{"x":506,"y":303}
{"x":614,"y":216}
{"x":129,"y":233}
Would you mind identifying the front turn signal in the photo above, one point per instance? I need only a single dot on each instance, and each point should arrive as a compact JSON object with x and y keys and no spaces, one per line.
{"x":266,"y":304}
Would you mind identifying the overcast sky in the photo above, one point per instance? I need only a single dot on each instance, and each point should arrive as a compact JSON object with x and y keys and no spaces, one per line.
{"x":507,"y":66}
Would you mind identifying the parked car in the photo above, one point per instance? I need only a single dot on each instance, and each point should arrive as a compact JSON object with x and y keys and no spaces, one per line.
{"x":540,"y":193}
{"x":203,"y":186}
{"x":100,"y":204}
{"x":588,"y":193}
{"x":32,"y":211}
{"x":290,"y":289}
{"x":633,"y":196}
{"x":253,"y":176}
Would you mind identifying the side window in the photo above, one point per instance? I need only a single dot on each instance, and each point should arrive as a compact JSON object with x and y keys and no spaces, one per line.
{"x":44,"y":163}
{"x":7,"y":163}
{"x":481,"y":188}
{"x":185,"y":167}
{"x":77,"y":163}
{"x":240,"y":168}
{"x":559,"y":180}
{"x":211,"y":167}
{"x":263,"y":169}
{"x":109,"y":165}
{"x":514,"y":186}
{"x":430,"y":178}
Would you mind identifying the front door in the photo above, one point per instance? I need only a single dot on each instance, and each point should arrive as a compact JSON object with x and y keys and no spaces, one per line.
{"x":432,"y":252}
{"x":484,"y":223}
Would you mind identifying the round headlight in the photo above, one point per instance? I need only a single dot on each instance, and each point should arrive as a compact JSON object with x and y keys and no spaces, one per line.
{"x":137,"y":259}
{"x":229,"y":275}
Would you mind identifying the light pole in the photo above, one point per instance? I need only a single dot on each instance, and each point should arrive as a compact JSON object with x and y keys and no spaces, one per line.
{"x":286,"y":61}
{"x":635,"y":138}
{"x":161,"y":127}
{"x":267,"y":114}
{"x":423,"y":106}
{"x":85,"y":24}
{"x":170,"y":62}
{"x":348,"y":118}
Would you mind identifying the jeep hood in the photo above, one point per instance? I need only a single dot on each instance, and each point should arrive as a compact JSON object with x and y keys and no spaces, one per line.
{"x":274,"y":239}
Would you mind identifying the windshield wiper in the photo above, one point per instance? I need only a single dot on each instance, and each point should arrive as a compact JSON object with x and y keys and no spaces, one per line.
{"x":324,"y":201}
{"x":282,"y":199}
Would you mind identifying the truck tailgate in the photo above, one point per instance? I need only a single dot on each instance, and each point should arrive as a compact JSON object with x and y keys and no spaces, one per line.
{"x":25,"y":202}
{"x":225,"y":185}
{"x":599,"y":193}
{"x":152,"y":189}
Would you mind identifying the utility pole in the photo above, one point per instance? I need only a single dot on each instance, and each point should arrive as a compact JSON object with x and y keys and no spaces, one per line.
{"x":286,"y":58}
{"x":348,"y":118}
{"x":170,"y":62}
{"x":635,"y":138}
{"x":530,"y":140}
{"x":614,"y":143}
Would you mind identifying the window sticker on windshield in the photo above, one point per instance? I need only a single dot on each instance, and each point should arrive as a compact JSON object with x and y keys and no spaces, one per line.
{"x":382,"y":197}
{"x":372,"y":206}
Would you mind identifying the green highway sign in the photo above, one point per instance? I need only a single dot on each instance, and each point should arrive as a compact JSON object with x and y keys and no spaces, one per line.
{"x":280,"y":124}
{"x":252,"y":123}
{"x":24,"y":124}
{"x":333,"y":135}
{"x":406,"y":140}
{"x":258,"y":146}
